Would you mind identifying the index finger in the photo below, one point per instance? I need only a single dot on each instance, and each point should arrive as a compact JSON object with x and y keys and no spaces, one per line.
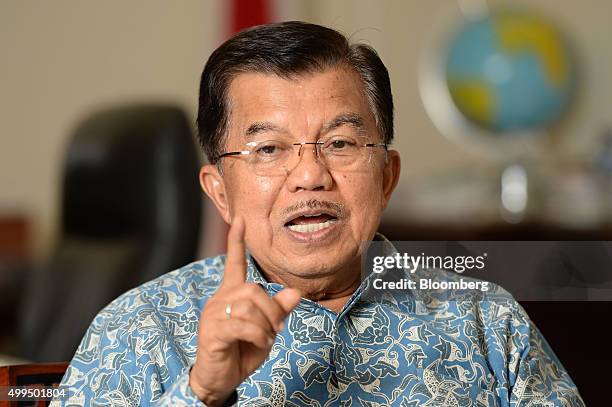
{"x":235,"y":263}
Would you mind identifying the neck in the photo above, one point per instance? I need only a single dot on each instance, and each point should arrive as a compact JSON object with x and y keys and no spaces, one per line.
{"x":334,"y":300}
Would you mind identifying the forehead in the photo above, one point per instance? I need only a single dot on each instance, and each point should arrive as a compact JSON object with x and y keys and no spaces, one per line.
{"x":303,"y":103}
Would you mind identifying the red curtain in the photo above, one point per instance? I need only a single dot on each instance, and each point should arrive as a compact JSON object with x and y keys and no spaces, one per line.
{"x":247,"y":13}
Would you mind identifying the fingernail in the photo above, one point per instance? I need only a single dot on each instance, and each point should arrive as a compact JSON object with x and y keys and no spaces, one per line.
{"x":270,"y":341}
{"x":281,"y":326}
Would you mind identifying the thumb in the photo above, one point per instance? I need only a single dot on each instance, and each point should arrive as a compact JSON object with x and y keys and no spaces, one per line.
{"x":288,"y":298}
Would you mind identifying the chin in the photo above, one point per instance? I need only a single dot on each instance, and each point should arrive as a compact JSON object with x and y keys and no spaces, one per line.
{"x":316,"y":265}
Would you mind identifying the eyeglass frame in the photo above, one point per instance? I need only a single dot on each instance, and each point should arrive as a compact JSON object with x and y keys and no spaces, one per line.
{"x":301,"y":144}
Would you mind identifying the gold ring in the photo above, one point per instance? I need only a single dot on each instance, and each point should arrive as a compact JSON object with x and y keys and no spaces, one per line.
{"x":228,"y":311}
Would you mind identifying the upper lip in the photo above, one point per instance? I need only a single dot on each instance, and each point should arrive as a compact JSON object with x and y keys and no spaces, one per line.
{"x":310,"y":212}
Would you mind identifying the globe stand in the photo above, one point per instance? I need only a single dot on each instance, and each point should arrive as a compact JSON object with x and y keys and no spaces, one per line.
{"x":514,"y":193}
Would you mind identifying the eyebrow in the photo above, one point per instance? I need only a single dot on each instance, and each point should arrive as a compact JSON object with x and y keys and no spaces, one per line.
{"x":343,"y":119}
{"x":262,"y":127}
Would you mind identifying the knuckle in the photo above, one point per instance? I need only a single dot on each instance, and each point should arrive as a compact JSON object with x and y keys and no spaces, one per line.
{"x":250,"y":312}
{"x":241,"y":309}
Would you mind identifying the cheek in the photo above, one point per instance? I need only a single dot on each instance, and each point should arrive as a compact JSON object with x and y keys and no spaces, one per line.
{"x":363,"y":195}
{"x":263,"y":185}
{"x":255,"y":200}
{"x":257,"y":196}
{"x":362,"y":192}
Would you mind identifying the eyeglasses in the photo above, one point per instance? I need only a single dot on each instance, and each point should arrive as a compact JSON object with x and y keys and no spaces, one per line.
{"x":275,"y":157}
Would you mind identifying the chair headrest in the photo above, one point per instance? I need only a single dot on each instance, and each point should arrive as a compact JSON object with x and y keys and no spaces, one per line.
{"x":127,"y":170}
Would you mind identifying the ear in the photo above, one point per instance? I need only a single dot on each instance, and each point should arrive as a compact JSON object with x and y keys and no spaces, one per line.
{"x":213,"y":185}
{"x":391,"y":173}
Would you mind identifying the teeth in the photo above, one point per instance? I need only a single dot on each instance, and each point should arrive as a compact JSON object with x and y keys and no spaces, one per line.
{"x":313,"y":215}
{"x":312,"y":227}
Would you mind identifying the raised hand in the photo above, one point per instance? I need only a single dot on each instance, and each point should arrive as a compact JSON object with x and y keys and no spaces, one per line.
{"x":237,"y":328}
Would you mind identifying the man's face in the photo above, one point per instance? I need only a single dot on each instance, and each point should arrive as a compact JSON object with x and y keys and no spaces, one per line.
{"x":345,"y":205}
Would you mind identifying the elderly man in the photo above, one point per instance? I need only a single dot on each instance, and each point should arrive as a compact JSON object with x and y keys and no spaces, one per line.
{"x":296,"y":124}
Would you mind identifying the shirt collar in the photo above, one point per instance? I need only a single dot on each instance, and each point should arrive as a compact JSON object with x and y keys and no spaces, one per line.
{"x":388,"y":250}
{"x":253,"y":273}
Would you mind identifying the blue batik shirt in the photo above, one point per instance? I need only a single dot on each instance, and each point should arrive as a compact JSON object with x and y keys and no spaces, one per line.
{"x":391,"y":350}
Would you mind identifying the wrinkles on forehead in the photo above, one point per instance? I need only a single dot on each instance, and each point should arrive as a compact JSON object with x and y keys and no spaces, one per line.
{"x":303,"y":108}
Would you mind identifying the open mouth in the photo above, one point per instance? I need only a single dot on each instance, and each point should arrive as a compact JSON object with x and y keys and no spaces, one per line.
{"x":311,"y":222}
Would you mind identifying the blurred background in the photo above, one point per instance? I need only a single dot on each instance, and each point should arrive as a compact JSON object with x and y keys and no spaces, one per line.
{"x":503,"y":122}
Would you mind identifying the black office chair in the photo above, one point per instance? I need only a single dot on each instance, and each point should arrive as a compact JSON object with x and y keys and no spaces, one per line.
{"x":131,"y":210}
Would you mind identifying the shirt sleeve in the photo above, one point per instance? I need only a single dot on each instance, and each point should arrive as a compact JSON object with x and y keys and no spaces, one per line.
{"x":123,"y":360}
{"x":538,"y":376}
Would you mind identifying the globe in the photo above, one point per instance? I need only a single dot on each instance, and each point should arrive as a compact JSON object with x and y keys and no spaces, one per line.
{"x":509,"y":72}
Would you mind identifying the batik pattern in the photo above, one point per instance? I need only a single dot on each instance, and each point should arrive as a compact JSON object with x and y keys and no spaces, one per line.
{"x":396,"y":350}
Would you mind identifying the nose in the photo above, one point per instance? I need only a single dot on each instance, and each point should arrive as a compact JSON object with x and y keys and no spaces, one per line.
{"x":309,"y":173}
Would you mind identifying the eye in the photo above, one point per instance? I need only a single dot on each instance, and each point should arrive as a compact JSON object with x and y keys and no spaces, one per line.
{"x":267,"y":150}
{"x":337,"y":145}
